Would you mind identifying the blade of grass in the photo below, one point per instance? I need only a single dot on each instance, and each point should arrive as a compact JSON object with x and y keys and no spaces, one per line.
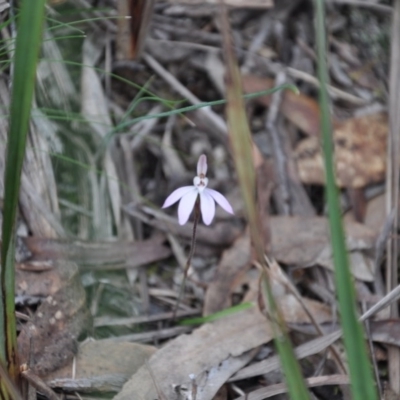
{"x":217,"y":315}
{"x":9,"y":384}
{"x":61,"y":115}
{"x":362,"y":381}
{"x":241,"y":144}
{"x":27,"y":47}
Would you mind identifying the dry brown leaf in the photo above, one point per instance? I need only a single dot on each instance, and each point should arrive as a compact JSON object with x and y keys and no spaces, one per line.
{"x":233,"y":263}
{"x":375,"y":215}
{"x":305,"y":241}
{"x":386,"y":331}
{"x":292,"y":310}
{"x":291,"y":303}
{"x":362,"y":265}
{"x":211,"y":354}
{"x":100,"y":367}
{"x":301,"y":110}
{"x":360,"y":153}
{"x":358,"y":203}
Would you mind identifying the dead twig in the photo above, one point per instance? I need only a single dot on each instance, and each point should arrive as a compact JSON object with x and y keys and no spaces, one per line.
{"x":216,"y":121}
{"x":283,"y":194}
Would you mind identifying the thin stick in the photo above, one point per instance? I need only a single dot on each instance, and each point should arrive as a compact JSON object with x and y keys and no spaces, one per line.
{"x":190,"y":256}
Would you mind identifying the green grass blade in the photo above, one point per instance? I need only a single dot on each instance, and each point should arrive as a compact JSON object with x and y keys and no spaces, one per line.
{"x":241,"y":144}
{"x":28,"y":40}
{"x":217,"y":315}
{"x":362,"y":381}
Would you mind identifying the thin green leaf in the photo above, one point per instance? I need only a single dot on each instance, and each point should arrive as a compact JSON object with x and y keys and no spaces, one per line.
{"x":217,"y":315}
{"x":362,"y":381}
{"x":29,"y":36}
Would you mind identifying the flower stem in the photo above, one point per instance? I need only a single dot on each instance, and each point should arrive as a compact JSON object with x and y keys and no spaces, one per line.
{"x":190,"y":256}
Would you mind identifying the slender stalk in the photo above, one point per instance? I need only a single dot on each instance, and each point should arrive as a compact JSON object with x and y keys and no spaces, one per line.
{"x":190,"y":256}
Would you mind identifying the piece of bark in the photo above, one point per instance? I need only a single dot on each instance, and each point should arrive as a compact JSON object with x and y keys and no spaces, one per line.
{"x":49,"y":340}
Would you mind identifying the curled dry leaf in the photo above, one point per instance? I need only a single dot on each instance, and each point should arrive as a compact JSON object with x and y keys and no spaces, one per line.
{"x":360,"y":153}
{"x":375,"y":213}
{"x":294,"y":307}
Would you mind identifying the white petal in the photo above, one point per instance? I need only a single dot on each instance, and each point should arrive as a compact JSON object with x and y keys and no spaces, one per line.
{"x":202,"y":165}
{"x":186,"y":205}
{"x":220,"y":199}
{"x":176,"y":195}
{"x":207,"y":207}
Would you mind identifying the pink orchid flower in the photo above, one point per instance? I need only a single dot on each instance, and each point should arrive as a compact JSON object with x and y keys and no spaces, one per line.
{"x":188,"y":196}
